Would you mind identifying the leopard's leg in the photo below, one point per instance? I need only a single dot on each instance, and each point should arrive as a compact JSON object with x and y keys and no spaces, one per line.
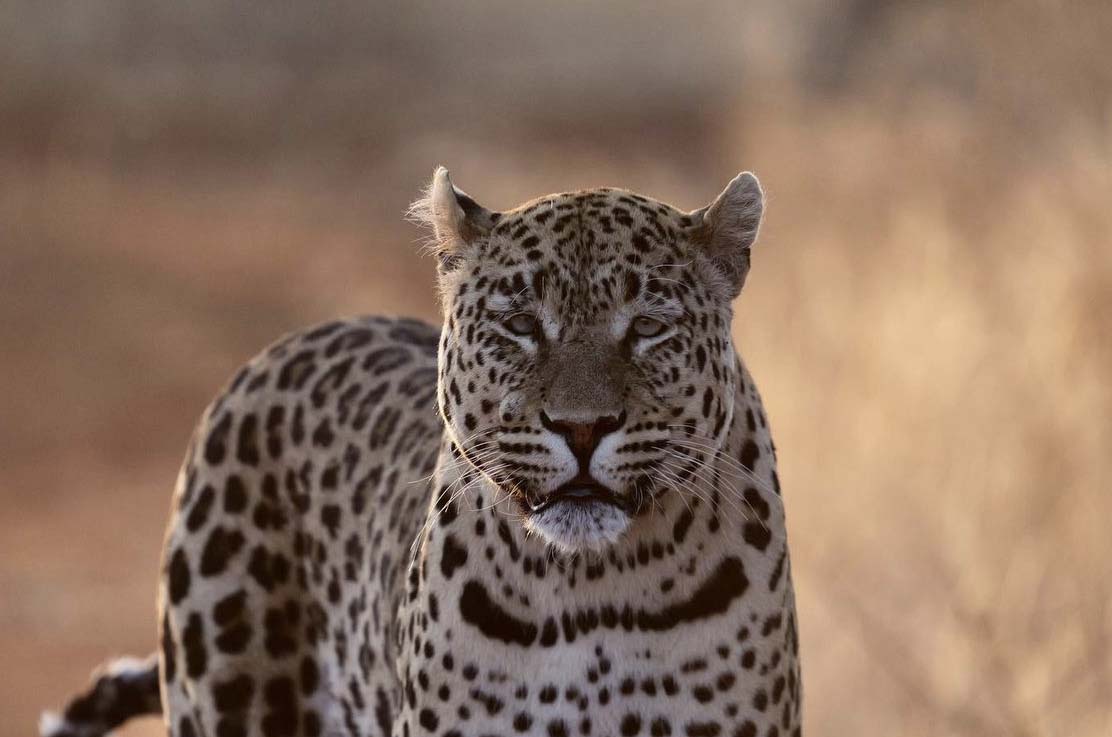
{"x":240,"y":626}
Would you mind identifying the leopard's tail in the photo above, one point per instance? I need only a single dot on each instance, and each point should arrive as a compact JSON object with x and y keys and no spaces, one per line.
{"x":122,"y":689}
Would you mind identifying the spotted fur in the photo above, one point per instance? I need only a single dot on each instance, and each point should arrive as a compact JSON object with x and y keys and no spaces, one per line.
{"x":557,"y":514}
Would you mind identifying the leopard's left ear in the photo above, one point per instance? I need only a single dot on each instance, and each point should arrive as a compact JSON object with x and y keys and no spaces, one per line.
{"x":455,"y":219}
{"x":727,"y":228}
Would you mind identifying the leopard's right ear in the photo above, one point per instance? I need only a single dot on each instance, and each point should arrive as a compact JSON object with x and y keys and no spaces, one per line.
{"x":454,"y":219}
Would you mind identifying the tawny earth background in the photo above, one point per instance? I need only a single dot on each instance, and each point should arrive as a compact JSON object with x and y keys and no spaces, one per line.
{"x":929,"y":312}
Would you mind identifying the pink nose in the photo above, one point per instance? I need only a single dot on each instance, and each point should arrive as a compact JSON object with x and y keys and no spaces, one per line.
{"x":583,"y":437}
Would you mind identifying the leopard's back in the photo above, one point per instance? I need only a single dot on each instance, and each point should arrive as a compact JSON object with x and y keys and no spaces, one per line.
{"x":293,"y":519}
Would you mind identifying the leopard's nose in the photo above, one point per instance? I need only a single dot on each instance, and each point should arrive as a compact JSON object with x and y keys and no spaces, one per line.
{"x":583,"y":437}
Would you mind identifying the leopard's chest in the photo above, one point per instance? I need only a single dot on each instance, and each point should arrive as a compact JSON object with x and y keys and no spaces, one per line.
{"x":497,"y":640}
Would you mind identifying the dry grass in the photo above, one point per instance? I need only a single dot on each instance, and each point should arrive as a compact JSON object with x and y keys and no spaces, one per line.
{"x":928,"y":314}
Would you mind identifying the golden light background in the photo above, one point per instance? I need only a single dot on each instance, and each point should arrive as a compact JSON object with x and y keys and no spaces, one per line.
{"x":929,"y":313}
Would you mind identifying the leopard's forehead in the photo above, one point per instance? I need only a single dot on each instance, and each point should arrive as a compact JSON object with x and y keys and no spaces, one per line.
{"x":601,"y":212}
{"x":592,"y":248}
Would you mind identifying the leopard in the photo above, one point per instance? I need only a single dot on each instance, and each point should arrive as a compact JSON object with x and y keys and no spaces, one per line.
{"x":556,"y":513}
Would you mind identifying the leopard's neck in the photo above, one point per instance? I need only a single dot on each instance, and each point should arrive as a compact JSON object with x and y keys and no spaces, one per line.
{"x":709,"y":540}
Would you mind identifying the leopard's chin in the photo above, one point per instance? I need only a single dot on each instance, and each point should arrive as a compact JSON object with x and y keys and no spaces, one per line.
{"x":574,"y":524}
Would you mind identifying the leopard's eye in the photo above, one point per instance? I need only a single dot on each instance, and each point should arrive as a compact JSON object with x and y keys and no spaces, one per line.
{"x":647,"y":327}
{"x":522,"y":324}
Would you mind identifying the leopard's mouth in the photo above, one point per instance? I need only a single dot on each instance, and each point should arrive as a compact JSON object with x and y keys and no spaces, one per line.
{"x":581,"y":490}
{"x":580,"y":514}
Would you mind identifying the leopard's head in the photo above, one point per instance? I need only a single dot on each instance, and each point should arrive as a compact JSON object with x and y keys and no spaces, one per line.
{"x":586,"y":352}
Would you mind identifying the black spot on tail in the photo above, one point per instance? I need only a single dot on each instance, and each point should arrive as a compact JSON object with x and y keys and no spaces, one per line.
{"x":113,"y":699}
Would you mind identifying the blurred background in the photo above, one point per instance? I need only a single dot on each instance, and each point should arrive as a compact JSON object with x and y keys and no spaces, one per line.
{"x":929,"y":313}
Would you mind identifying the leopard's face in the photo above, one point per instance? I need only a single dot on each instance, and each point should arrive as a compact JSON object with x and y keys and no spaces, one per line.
{"x":586,"y":362}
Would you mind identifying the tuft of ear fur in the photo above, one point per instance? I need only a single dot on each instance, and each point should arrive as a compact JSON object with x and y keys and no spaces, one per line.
{"x":453,"y":219}
{"x":727,"y":228}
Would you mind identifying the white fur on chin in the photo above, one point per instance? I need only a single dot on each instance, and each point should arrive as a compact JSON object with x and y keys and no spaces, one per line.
{"x":576,"y":526}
